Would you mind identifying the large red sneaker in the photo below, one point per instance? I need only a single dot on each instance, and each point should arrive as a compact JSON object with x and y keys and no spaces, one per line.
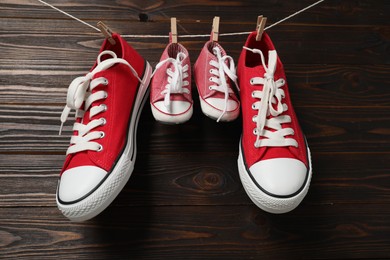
{"x":274,"y":160}
{"x":108,"y":102}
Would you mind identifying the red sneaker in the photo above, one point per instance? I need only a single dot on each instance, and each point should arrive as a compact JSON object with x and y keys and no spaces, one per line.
{"x":108,"y":102}
{"x":170,"y":95}
{"x":274,"y":160}
{"x":214,"y":74}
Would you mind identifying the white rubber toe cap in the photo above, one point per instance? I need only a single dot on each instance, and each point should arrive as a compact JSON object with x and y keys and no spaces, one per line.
{"x":180,"y":112}
{"x":219,"y":103}
{"x":176,"y":107}
{"x":77,"y":182}
{"x":279,"y":177}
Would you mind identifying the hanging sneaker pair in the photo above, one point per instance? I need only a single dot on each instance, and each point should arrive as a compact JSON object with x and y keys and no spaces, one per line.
{"x":274,"y":159}
{"x":214,"y":73}
{"x":108,"y":102}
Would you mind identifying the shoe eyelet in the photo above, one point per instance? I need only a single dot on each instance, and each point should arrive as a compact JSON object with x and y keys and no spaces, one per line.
{"x":254,"y":119}
{"x":210,"y":88}
{"x":210,"y":79}
{"x":255,"y":132}
{"x":104,"y":121}
{"x":251,"y":82}
{"x":102,"y":134}
{"x":105,"y":94}
{"x":253,"y":106}
{"x":100,"y":148}
{"x":211,"y":71}
{"x":253,"y":94}
{"x":105,"y":81}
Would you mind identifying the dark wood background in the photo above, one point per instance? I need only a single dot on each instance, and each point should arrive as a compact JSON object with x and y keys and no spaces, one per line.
{"x":185,"y":199}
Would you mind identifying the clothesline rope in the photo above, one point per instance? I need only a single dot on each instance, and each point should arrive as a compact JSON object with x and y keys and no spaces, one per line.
{"x":180,"y":36}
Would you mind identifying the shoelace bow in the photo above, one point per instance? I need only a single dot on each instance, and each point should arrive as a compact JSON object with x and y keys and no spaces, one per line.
{"x":176,"y":78}
{"x":220,"y":79}
{"x":271,"y":96}
{"x":79,"y":93}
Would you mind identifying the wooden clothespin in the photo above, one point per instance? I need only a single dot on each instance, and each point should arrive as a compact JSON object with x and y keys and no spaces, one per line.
{"x":106,"y":31}
{"x":260,"y":26}
{"x":215,"y":29}
{"x":173,"y":30}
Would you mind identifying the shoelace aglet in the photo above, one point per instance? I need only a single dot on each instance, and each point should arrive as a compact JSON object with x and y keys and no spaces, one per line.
{"x":224,"y":109}
{"x":64,"y":116}
{"x":60,"y":132}
{"x":167,"y":102}
{"x":222,"y":70}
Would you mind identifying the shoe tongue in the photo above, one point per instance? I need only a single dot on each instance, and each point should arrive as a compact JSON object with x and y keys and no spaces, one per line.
{"x":257,"y":71}
{"x":85,"y":119}
{"x":278,"y":152}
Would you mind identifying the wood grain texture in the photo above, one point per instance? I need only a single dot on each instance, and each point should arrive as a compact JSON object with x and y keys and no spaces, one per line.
{"x":346,"y":12}
{"x":185,"y":199}
{"x":191,"y":232}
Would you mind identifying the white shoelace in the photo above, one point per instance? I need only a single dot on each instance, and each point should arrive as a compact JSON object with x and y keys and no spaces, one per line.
{"x":79,"y":92}
{"x":271,"y":95}
{"x":176,"y":78}
{"x":220,"y":80}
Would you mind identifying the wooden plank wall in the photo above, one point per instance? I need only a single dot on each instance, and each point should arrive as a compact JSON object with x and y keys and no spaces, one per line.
{"x":185,"y":199}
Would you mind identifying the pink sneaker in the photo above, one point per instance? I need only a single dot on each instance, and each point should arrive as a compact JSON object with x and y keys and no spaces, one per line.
{"x":214,"y":73}
{"x":108,"y":102}
{"x":274,"y":160}
{"x":170,"y":95}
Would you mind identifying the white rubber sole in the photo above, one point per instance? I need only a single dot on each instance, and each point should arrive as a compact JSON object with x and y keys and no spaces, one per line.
{"x":102,"y":197}
{"x":266,"y":202}
{"x":214,"y":114}
{"x":171,"y":119}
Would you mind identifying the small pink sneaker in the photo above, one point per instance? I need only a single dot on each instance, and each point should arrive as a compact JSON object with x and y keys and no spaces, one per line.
{"x":274,"y":159}
{"x":214,"y":73}
{"x":108,"y":102}
{"x":170,"y":95}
